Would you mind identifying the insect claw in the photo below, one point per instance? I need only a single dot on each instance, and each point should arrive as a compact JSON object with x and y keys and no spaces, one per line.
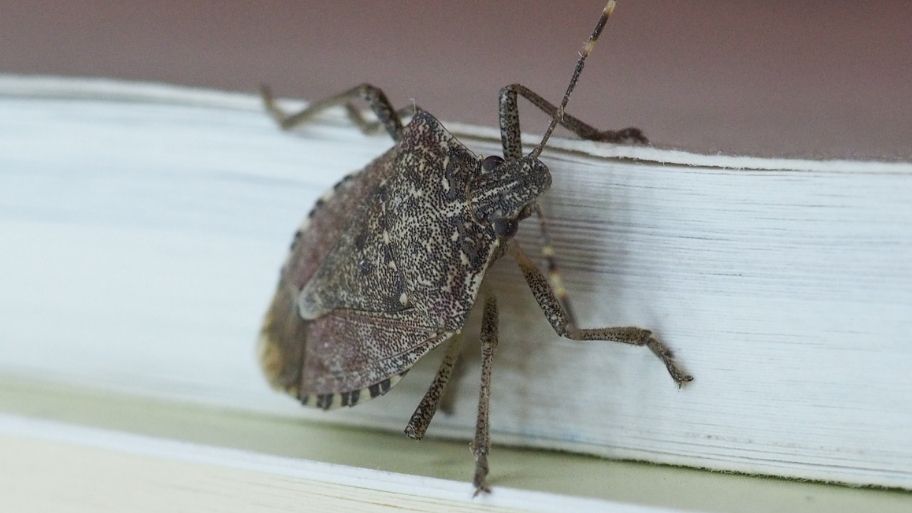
{"x":682,"y":380}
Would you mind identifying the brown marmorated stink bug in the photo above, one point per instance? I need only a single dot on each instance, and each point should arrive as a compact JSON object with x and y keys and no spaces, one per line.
{"x":388,"y":265}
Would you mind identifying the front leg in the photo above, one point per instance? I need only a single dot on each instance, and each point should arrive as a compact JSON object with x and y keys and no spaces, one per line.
{"x":565,"y":327}
{"x":510,"y":131}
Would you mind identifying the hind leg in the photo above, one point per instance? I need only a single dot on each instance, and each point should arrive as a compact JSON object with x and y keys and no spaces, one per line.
{"x":433,"y":398}
{"x":565,"y":327}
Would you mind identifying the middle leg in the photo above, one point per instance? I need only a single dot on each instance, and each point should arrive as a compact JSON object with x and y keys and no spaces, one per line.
{"x":565,"y":327}
{"x":482,"y":441}
{"x":434,"y":397}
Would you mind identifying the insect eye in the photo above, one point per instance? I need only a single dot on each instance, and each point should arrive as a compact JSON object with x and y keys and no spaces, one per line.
{"x":505,"y":227}
{"x":489,"y":163}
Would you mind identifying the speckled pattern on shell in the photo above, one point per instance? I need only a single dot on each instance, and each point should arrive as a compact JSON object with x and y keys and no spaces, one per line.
{"x":386,"y":267}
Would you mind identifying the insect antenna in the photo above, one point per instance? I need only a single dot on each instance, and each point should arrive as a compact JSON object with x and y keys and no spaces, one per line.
{"x":583,"y":53}
{"x":547,"y":249}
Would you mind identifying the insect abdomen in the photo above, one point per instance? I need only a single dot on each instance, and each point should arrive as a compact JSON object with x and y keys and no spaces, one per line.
{"x":282,"y":343}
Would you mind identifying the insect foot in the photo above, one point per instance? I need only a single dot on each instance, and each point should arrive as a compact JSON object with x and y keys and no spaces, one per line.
{"x":629,"y":135}
{"x":389,"y":263}
{"x":659,"y":349}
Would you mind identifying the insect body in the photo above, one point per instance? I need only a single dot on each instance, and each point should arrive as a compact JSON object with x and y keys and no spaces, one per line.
{"x":390,"y":262}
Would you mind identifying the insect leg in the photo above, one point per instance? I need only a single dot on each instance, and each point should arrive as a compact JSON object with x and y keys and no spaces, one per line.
{"x":554,"y":276}
{"x":450,"y":393}
{"x":508,"y":113}
{"x":426,"y":409}
{"x":547,"y":300}
{"x":370,"y":127}
{"x":482,"y":441}
{"x":375,"y":98}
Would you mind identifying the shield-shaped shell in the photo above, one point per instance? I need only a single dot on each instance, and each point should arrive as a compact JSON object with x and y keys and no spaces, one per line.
{"x":386,"y":267}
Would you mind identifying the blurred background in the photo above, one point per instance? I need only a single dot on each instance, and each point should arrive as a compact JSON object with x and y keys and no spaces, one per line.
{"x":776,"y":78}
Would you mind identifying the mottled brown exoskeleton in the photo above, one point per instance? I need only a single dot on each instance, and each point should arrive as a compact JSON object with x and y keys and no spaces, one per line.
{"x":389,"y":263}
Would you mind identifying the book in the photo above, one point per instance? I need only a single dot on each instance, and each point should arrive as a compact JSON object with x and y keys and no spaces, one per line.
{"x":74,"y":448}
{"x":144,"y":226}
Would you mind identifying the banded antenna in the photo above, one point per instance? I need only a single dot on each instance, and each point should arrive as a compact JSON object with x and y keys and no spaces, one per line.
{"x":583,"y":53}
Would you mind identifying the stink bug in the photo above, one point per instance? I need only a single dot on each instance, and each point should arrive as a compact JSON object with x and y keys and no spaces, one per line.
{"x":388,"y":265}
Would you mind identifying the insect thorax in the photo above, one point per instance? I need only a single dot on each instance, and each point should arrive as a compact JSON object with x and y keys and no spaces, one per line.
{"x":410,"y":243}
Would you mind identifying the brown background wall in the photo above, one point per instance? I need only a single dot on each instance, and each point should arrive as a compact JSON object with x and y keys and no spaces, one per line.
{"x":776,"y":77}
